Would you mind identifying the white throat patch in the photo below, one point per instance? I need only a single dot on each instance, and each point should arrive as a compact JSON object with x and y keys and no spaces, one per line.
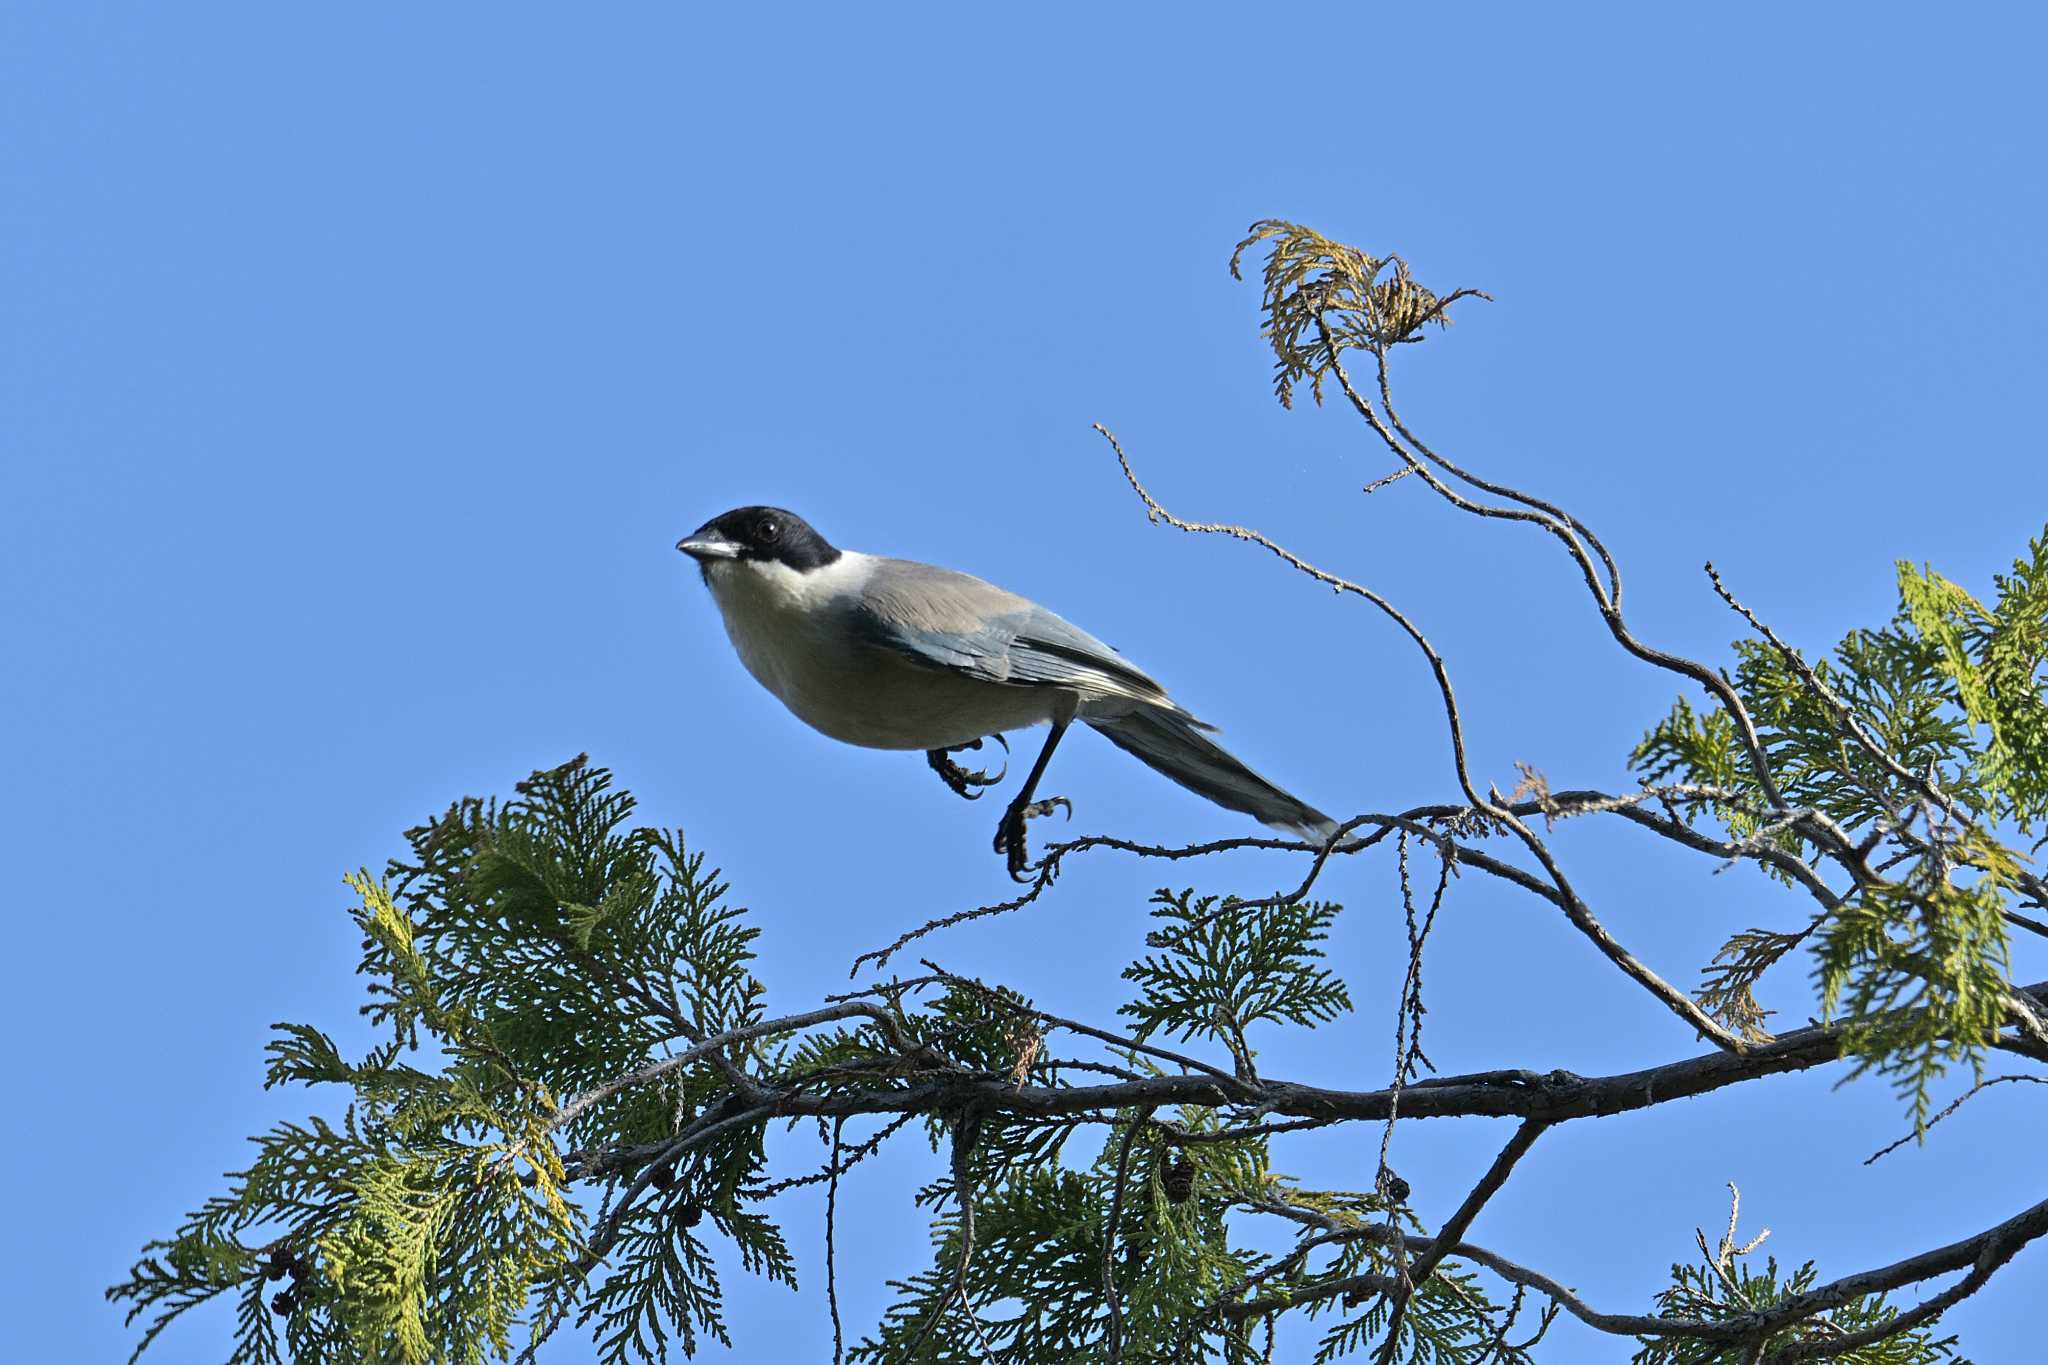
{"x":764,"y":589}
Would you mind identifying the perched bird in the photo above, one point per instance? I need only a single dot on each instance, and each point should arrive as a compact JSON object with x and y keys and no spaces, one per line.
{"x":891,"y":654}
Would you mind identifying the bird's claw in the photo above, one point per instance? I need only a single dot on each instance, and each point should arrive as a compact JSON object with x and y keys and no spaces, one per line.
{"x":959,"y":780}
{"x":1011,"y":841}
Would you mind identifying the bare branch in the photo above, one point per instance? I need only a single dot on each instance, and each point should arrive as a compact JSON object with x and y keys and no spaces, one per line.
{"x":1951,"y":1108}
{"x":1982,"y":1254}
{"x":831,"y":1258}
{"x":1553,"y":1097}
{"x":1489,"y":1185}
{"x":787,"y":1024}
{"x":1611,"y":599}
{"x":1566,"y":529}
{"x":1447,"y":1237}
{"x":1575,"y":908}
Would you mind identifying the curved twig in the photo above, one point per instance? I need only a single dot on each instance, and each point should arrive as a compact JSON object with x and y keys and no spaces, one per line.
{"x":1576,"y":910}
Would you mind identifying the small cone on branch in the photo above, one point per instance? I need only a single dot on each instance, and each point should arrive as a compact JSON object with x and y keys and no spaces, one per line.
{"x":1180,"y":1179}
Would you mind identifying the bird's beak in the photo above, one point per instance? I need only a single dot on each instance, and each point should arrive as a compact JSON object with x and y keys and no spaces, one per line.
{"x":705,"y":546}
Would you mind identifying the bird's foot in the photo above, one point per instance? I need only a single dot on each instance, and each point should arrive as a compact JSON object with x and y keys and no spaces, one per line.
{"x":959,"y":780}
{"x":1010,"y":838}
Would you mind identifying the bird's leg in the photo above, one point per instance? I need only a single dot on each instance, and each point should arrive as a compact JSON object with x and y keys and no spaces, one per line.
{"x":1010,"y":840}
{"x":959,"y":779}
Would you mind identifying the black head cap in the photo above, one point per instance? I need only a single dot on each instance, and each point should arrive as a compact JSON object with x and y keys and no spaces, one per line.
{"x":765,"y":534}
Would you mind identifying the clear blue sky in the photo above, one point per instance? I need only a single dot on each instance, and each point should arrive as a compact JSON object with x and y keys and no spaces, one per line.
{"x":358,"y":372}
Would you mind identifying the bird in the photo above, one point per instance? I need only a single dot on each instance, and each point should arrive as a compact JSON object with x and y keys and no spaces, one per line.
{"x":893,"y":654}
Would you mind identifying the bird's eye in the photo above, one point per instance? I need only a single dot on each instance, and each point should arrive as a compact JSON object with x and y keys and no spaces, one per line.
{"x":768,"y":531}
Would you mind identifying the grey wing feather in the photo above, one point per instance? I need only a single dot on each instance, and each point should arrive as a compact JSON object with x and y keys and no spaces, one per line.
{"x":956,"y":621}
{"x":1173,"y":744}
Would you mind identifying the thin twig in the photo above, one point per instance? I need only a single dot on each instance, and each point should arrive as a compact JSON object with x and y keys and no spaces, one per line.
{"x":1116,"y":1205}
{"x":1951,"y":1108}
{"x":831,"y":1260}
{"x":1454,"y":1227}
{"x":965,"y":1131}
{"x":1407,"y":1045}
{"x":1610,"y":606}
{"x":835,"y":1168}
{"x":1574,"y":906}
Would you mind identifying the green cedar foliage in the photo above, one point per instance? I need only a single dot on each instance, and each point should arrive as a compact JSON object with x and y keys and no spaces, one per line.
{"x":526,"y":951}
{"x":1705,"y":1292}
{"x":1927,"y":738}
{"x":1036,"y":1280}
{"x":540,"y":948}
{"x":1726,"y":1284}
{"x":1226,"y":968}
